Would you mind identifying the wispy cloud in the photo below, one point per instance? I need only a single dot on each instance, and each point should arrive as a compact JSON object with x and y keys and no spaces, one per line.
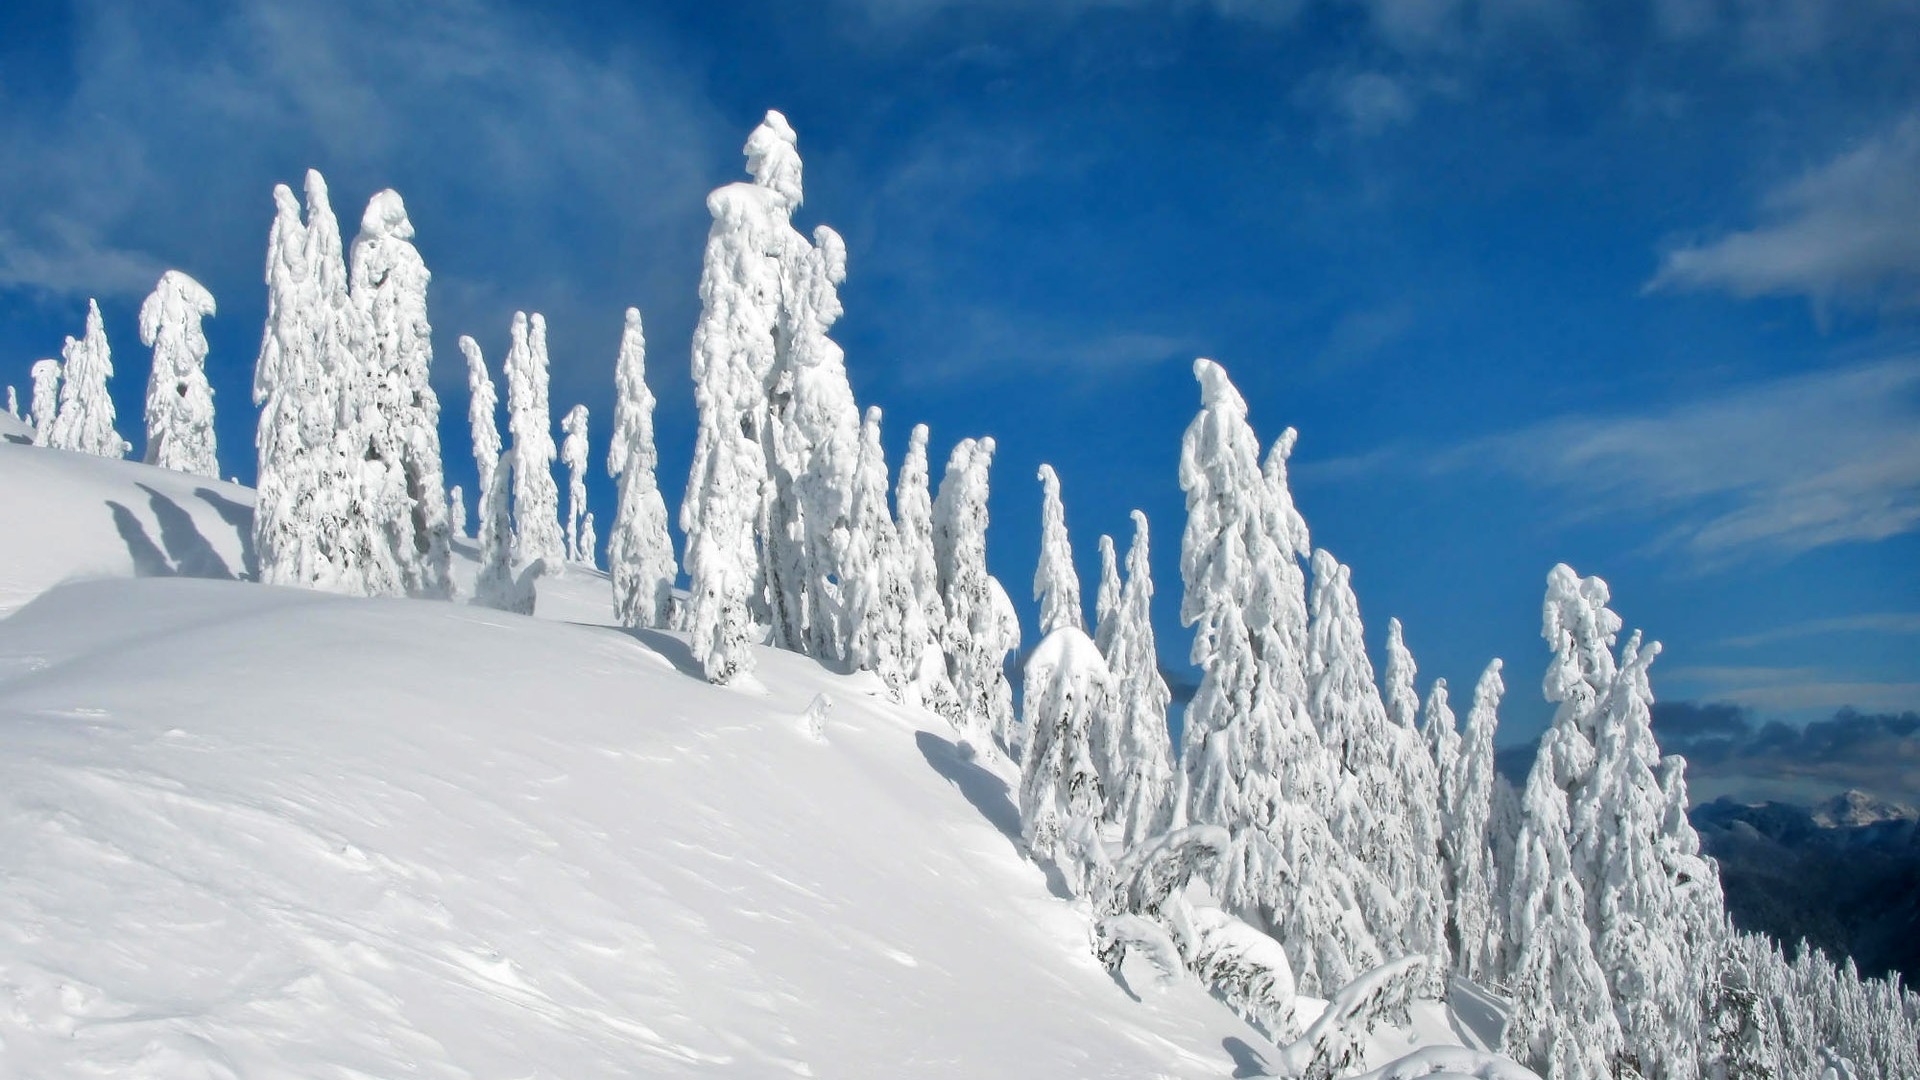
{"x":1846,"y":232}
{"x":1769,"y":470}
{"x":1890,"y":622}
{"x":1791,"y":689}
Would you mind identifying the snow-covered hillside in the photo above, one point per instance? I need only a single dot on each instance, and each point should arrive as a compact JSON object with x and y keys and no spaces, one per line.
{"x":254,"y":831}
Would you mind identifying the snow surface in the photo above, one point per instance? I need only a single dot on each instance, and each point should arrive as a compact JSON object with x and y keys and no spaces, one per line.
{"x":257,"y":831}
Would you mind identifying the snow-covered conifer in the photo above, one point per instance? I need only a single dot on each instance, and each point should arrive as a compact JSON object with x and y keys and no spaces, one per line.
{"x":1467,"y":844}
{"x":84,"y":422}
{"x":1060,"y":798}
{"x":179,"y":401}
{"x":922,"y":650}
{"x":1562,"y":1022}
{"x":573,"y":454}
{"x":536,"y":499}
{"x":1106,"y":602}
{"x":981,"y":629}
{"x":639,"y":551}
{"x":1402,"y":700}
{"x":887,"y":634}
{"x":13,"y":402}
{"x":483,"y":404}
{"x":1253,"y":762}
{"x":589,"y":553}
{"x":1352,"y":719}
{"x":735,"y":349}
{"x":1056,"y":584}
{"x":1425,"y":784}
{"x":1138,"y":768}
{"x":457,"y":510}
{"x":498,"y":586}
{"x":46,"y":398}
{"x":398,"y":411}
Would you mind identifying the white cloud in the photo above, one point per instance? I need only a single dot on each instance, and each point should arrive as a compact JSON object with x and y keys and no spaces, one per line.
{"x":1847,"y":231}
{"x":1889,"y":622}
{"x":1372,"y":102}
{"x":1769,"y":470}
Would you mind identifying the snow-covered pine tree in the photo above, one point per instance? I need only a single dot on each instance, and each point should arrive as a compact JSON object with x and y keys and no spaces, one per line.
{"x":1106,"y":602}
{"x":639,"y":551}
{"x":498,"y":586}
{"x":536,"y":499}
{"x":981,"y":628}
{"x":398,"y":409}
{"x":573,"y":454}
{"x":1056,"y":584}
{"x":1467,"y":844}
{"x":46,"y":398}
{"x":1253,"y":762}
{"x":1700,"y":914}
{"x":1562,"y":1022}
{"x":457,"y":510}
{"x":589,"y":543}
{"x":84,"y":422}
{"x":179,"y":401}
{"x":1139,"y":774}
{"x":1425,"y":772}
{"x":813,"y":437}
{"x":735,"y":346}
{"x":1060,"y":797}
{"x":887,"y":632}
{"x":1425,"y":782}
{"x":483,"y":405}
{"x":922,"y":651}
{"x":1346,"y":706}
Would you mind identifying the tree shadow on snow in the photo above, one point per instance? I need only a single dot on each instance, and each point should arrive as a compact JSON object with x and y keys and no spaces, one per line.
{"x":672,"y":648}
{"x":148,"y":560}
{"x":192,"y":555}
{"x":988,"y":794}
{"x":1246,"y":1060}
{"x":240,"y":516}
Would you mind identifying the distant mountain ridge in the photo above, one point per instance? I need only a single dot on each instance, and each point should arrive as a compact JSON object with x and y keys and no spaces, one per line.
{"x":1844,"y":874}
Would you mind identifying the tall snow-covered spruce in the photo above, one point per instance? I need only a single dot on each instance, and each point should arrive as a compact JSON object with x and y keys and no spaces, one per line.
{"x":1478,"y":921}
{"x":1056,"y":585}
{"x":179,"y":400}
{"x":398,"y":411}
{"x":1253,"y":762}
{"x":483,"y":405}
{"x":639,"y":551}
{"x":1137,"y":771}
{"x":981,"y":627}
{"x":573,"y":454}
{"x":84,"y":422}
{"x":46,"y":398}
{"x":536,"y":500}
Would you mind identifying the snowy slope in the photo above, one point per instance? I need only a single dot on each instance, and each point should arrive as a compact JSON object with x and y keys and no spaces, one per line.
{"x":248,"y":831}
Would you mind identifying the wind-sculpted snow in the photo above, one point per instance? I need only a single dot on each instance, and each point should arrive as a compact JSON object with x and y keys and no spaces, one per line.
{"x":321,"y":836}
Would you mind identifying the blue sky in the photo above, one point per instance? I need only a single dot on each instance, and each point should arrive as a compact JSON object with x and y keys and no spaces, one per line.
{"x":1631,"y":285}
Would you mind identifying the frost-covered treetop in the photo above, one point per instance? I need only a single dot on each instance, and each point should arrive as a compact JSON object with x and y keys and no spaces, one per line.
{"x":773,"y":158}
{"x":386,"y":216}
{"x":1055,"y":582}
{"x":1580,"y":629}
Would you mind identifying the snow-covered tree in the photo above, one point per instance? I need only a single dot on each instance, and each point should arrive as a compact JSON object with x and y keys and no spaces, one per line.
{"x":1137,"y":770}
{"x":483,"y":404}
{"x":735,"y":347}
{"x":1424,"y":765}
{"x":536,"y":499}
{"x":1352,"y":719}
{"x":1056,"y":584}
{"x":399,"y":413}
{"x":319,"y":512}
{"x":499,"y":585}
{"x":179,"y":401}
{"x":1467,"y":843}
{"x":85,"y":420}
{"x":1562,"y":1023}
{"x":1060,"y":797}
{"x":573,"y":454}
{"x":1106,"y":602}
{"x":639,"y":551}
{"x":888,"y":632}
{"x":457,"y":510}
{"x":589,"y":542}
{"x":1253,"y":761}
{"x":981,"y":627}
{"x":46,"y":398}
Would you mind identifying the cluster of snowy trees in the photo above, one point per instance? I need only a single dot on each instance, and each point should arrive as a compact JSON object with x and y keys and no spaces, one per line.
{"x":1321,"y":831}
{"x":71,"y":409}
